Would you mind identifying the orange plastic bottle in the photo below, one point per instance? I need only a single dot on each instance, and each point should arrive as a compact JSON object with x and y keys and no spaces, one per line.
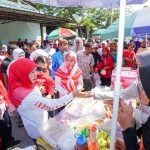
{"x":94,"y":146}
{"x":93,"y":134}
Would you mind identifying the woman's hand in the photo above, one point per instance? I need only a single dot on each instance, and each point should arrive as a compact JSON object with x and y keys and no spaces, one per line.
{"x":108,"y":103}
{"x":89,"y":94}
{"x":80,"y":94}
{"x":125,"y":115}
{"x":124,"y":58}
{"x":49,"y":97}
{"x":93,"y":79}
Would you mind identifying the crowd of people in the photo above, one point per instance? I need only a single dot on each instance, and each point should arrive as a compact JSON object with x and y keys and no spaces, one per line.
{"x":38,"y":79}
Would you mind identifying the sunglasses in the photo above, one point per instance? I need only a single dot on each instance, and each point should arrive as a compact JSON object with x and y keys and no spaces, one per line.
{"x":41,"y":69}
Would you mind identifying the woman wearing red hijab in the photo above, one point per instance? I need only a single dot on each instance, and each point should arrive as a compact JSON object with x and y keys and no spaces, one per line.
{"x":68,"y":77}
{"x":105,"y":67}
{"x":27,"y":98}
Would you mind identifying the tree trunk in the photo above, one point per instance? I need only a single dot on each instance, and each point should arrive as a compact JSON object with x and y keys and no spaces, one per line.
{"x":78,"y":26}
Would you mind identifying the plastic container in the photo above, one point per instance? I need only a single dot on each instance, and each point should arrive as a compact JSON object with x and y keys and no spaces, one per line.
{"x":85,"y":132}
{"x":67,"y":141}
{"x":127,"y":77}
{"x":93,"y":134}
{"x":81,"y":143}
{"x":94,"y":146}
{"x":52,"y":131}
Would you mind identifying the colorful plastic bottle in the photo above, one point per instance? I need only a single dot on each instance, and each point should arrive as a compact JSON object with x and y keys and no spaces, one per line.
{"x":93,"y":134}
{"x":85,"y":132}
{"x":94,"y":146}
{"x":81,"y":143}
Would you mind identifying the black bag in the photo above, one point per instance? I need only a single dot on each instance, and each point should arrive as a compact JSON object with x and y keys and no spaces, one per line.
{"x":4,"y":134}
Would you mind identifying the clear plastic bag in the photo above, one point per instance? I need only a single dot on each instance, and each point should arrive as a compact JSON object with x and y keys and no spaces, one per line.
{"x":103,"y":72}
{"x":67,"y":141}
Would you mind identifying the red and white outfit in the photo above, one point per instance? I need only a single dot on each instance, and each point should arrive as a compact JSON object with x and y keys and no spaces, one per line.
{"x":68,"y":79}
{"x":45,"y":83}
{"x":107,"y":63}
{"x":27,"y":98}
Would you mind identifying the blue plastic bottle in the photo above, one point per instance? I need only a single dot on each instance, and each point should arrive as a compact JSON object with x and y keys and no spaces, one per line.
{"x":81,"y":143}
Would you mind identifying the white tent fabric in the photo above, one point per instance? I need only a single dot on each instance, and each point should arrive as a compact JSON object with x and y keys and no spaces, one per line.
{"x":87,"y":3}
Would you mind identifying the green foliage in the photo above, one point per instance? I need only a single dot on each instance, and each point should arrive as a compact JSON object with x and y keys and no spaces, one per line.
{"x":90,"y":18}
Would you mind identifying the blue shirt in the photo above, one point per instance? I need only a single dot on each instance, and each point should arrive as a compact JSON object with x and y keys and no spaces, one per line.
{"x":115,"y":57}
{"x":57,"y":61}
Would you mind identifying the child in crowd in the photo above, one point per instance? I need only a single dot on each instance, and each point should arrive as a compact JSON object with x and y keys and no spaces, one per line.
{"x":105,"y":67}
{"x":68,"y":77}
{"x":44,"y":82}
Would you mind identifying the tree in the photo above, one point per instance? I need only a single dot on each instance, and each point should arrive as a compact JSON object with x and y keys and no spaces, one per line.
{"x":87,"y":22}
{"x":102,"y":17}
{"x":75,"y":14}
{"x":79,"y":16}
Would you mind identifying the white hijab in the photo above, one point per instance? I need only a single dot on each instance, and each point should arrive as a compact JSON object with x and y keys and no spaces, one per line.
{"x":36,"y":53}
{"x":16,"y":53}
{"x":81,"y":47}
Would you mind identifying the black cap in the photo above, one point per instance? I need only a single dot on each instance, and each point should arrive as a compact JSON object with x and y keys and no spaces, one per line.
{"x":19,"y":39}
{"x":12,"y":47}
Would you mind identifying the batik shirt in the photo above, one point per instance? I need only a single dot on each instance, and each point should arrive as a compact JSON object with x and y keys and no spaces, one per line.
{"x":84,"y":63}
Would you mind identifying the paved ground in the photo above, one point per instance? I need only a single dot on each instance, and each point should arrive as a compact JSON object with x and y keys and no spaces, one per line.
{"x":20,"y":134}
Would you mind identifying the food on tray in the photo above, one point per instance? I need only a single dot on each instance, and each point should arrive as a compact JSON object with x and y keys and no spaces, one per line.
{"x":82,"y":126}
{"x":66,"y":118}
{"x":56,"y":134}
{"x":99,"y":121}
{"x":103,"y":134}
{"x":102,"y":143}
{"x":108,"y":142}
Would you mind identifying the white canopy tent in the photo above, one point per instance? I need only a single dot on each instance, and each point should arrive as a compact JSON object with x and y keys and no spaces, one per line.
{"x":88,"y":3}
{"x":104,"y":4}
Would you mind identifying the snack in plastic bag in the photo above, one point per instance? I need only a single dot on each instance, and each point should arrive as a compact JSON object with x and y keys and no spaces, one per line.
{"x":103,"y":72}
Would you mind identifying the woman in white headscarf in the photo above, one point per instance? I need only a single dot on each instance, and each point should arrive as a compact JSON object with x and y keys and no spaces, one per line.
{"x":17,"y":54}
{"x":38,"y":52}
{"x":78,"y":45}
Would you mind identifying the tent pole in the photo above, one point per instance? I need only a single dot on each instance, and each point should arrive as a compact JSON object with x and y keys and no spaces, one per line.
{"x":111,"y":12}
{"x":146,"y":40}
{"x":118,"y":84}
